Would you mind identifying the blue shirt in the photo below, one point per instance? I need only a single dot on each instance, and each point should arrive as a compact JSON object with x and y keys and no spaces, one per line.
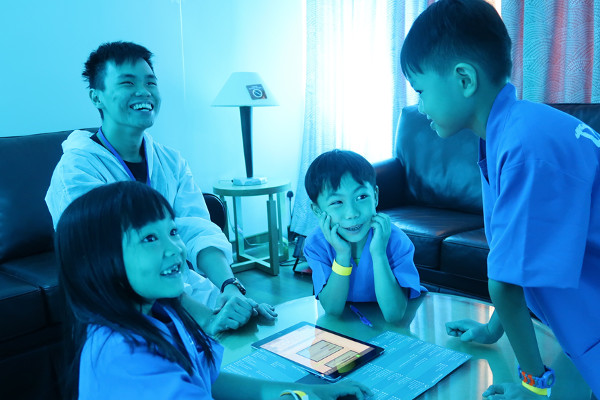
{"x":540,"y":171}
{"x":400,"y":250}
{"x":112,"y":368}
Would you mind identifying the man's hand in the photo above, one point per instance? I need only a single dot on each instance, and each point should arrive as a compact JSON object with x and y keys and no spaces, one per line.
{"x":231,"y":315}
{"x":341,"y":246}
{"x":382,"y":228}
{"x":472,"y":331}
{"x":510,"y":391}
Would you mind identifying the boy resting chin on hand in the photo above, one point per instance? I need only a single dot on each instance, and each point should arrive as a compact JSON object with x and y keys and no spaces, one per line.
{"x":357,"y":254}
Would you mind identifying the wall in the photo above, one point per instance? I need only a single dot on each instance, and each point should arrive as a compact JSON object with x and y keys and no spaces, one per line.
{"x":197,"y":44}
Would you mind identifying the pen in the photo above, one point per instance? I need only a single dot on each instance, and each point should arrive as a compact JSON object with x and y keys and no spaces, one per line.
{"x":363,"y":319}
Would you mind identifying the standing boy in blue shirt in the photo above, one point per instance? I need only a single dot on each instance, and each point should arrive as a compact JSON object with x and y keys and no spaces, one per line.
{"x":541,"y":200}
{"x":357,"y":254}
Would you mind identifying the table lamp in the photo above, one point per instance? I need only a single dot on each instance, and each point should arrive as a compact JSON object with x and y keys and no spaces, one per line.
{"x":246,"y":90}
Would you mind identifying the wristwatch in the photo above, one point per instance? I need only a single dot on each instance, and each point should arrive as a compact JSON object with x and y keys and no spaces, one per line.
{"x":236,"y":282}
{"x":540,"y":382}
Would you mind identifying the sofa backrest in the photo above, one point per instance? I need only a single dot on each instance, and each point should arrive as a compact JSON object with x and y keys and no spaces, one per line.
{"x":440,"y":173}
{"x":443,"y":173}
{"x":586,"y":113}
{"x":26,"y":163}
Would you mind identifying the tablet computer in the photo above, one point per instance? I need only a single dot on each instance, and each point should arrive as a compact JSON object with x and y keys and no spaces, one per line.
{"x":327,"y":354}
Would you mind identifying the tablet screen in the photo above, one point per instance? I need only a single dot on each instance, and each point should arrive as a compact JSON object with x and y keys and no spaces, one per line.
{"x":322,"y":352}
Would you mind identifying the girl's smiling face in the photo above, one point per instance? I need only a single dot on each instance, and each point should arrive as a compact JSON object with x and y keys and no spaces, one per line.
{"x":154,"y":258}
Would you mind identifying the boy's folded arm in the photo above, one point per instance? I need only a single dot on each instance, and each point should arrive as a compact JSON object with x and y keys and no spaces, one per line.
{"x":391,"y":297}
{"x":334,"y":294}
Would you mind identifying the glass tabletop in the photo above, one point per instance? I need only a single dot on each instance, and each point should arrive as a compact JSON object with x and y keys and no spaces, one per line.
{"x":425,"y":319}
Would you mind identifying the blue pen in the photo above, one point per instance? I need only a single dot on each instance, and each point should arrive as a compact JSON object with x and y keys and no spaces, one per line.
{"x":363,"y":319}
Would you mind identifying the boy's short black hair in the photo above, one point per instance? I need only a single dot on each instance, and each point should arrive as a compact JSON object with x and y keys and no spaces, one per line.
{"x":326,"y":171}
{"x":450,"y":31}
{"x":117,"y":52}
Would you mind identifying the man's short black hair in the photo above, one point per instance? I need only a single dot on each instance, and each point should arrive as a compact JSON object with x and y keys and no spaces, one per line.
{"x":117,"y":52}
{"x":450,"y":31}
{"x":326,"y":171}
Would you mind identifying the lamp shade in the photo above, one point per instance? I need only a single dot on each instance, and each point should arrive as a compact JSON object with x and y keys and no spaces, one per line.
{"x":245,"y":89}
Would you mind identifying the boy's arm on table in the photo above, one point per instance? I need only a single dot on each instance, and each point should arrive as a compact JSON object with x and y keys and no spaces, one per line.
{"x":469,"y":330}
{"x":232,"y":386}
{"x":334,"y":294}
{"x":509,"y":301}
{"x":392,"y":298}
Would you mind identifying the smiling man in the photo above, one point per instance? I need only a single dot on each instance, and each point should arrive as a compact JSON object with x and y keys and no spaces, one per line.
{"x":124,"y":89}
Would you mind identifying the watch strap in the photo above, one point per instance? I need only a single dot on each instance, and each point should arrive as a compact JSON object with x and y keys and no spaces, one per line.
{"x":233,"y":281}
{"x":540,"y":382}
{"x":296,"y":394}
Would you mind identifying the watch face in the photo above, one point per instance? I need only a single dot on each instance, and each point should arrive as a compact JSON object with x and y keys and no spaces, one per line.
{"x":239,"y":285}
{"x":236,"y":282}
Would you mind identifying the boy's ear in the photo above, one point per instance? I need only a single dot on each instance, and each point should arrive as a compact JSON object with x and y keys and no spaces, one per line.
{"x":376,"y":196}
{"x":467,"y":78}
{"x":95,"y":98}
{"x":316,"y":209}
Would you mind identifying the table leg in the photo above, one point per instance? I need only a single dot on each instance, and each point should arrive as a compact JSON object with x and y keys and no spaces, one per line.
{"x":237,"y":226}
{"x":283,"y":243}
{"x":226,"y":230}
{"x":273,"y":235}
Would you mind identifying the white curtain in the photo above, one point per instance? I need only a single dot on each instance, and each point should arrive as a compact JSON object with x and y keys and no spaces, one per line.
{"x":556,"y":49}
{"x":354,"y":86}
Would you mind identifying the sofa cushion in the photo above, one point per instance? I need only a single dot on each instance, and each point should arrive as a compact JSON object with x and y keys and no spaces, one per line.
{"x":21,"y":308}
{"x":26,"y":163}
{"x":466,"y":254}
{"x":427,"y":227}
{"x":440,"y":173}
{"x":41,"y":271}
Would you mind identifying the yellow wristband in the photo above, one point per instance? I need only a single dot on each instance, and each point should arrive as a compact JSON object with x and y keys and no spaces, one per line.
{"x":541,"y":392}
{"x":296,"y":394}
{"x":338,"y":269}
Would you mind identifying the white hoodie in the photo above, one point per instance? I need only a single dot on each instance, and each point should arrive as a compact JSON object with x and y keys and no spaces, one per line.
{"x":85,"y":165}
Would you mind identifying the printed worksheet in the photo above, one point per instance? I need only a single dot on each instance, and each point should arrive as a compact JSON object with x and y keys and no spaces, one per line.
{"x":407,"y":368}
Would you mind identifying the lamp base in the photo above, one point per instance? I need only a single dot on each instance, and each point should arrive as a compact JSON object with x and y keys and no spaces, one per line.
{"x":249,"y":181}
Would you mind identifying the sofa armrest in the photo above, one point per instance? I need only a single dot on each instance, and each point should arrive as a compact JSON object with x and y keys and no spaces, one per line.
{"x":391,"y":181}
{"x":216,"y":210}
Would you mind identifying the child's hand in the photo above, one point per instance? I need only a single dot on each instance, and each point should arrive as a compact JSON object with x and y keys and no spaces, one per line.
{"x":266,"y":311}
{"x":510,"y":391}
{"x":472,"y":331}
{"x":341,"y":246}
{"x":382,"y":228}
{"x":347,"y":389}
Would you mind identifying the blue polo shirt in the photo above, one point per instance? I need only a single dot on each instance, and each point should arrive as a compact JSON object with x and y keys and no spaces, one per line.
{"x":111,"y":367}
{"x":400,"y":250}
{"x":540,"y":171}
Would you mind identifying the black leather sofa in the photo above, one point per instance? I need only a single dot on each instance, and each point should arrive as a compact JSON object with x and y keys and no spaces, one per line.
{"x":30,"y":306}
{"x":431,"y":189}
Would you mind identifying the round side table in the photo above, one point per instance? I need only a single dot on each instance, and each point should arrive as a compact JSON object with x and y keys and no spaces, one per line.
{"x":278,"y":246}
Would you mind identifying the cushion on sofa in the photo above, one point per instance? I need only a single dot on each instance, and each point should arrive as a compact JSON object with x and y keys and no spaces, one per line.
{"x":441,"y":173}
{"x":21,"y":309}
{"x":25,"y":219}
{"x":427,"y":227}
{"x":465,"y":253}
{"x":39,"y":270}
